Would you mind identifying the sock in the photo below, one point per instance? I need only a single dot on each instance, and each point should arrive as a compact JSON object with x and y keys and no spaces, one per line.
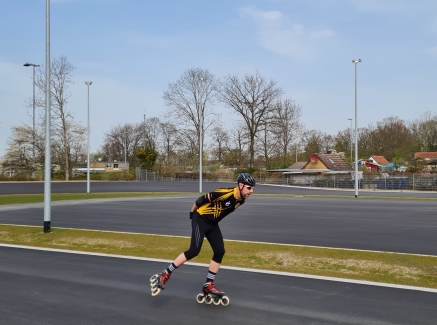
{"x":211,"y":276}
{"x":171,"y":268}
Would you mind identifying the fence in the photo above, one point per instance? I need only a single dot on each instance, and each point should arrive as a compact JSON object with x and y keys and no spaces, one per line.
{"x":414,"y":182}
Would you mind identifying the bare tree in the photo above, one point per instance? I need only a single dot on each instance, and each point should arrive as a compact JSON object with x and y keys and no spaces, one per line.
{"x":344,"y":143}
{"x":252,"y":97}
{"x":237,"y":154}
{"x":425,"y":132}
{"x":390,"y":137}
{"x":169,"y":140}
{"x":62,"y":119}
{"x":152,"y":130}
{"x":188,"y":146}
{"x":18,"y":156}
{"x":266,"y":139}
{"x":317,"y":141}
{"x":220,"y":142}
{"x":123,"y":140}
{"x":286,"y":125}
{"x":189,"y":100}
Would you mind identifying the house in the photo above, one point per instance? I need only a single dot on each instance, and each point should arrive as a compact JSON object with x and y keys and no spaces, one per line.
{"x":327,"y":164}
{"x":374,"y":163}
{"x":102,"y":167}
{"x":429,"y":159}
{"x":296,"y":167}
{"x":425,"y":156}
{"x":318,"y":164}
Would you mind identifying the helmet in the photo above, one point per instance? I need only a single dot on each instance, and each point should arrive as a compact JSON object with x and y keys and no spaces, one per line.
{"x":246,"y":179}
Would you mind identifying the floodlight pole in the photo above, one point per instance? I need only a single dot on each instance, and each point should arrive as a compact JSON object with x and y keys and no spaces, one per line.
{"x":47,"y":160}
{"x":88,"y":83}
{"x":200,"y":135}
{"x":350,"y":137}
{"x":355,"y":62}
{"x":27,"y":64}
{"x":125,"y":148}
{"x":144,"y":130}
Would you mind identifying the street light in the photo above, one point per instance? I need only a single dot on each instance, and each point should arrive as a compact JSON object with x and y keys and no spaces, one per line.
{"x":125,"y":148}
{"x":88,"y":83}
{"x":350,"y":137}
{"x":144,"y":130}
{"x":47,"y":153}
{"x":27,"y":64}
{"x":355,"y":62}
{"x":200,"y":138}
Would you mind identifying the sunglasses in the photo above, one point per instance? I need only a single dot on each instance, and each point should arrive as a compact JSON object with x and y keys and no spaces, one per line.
{"x":248,"y":187}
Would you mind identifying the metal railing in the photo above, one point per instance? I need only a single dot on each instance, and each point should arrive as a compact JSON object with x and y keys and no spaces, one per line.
{"x":413,"y":182}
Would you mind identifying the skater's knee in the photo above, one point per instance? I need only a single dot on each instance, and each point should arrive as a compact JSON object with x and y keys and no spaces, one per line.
{"x":218,"y":255}
{"x":190,"y":254}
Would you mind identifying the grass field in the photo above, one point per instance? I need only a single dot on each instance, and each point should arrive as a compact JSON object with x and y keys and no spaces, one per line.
{"x":35,"y":198}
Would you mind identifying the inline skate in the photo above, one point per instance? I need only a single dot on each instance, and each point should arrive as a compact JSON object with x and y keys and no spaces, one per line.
{"x":211,"y":295}
{"x":158,"y":281}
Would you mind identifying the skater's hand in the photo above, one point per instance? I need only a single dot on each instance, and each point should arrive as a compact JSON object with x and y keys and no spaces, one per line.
{"x":191,"y":214}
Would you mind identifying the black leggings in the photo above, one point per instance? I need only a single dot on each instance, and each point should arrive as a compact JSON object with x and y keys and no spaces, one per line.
{"x":212,"y":232}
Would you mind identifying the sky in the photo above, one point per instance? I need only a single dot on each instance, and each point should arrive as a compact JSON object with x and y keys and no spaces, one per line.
{"x":132,"y":49}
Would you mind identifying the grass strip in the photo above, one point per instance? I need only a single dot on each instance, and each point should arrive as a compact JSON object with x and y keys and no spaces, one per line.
{"x":405,"y":269}
{"x":35,"y":198}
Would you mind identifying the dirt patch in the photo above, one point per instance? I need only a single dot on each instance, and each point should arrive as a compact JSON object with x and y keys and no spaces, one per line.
{"x":95,"y":241}
{"x":346,"y":266}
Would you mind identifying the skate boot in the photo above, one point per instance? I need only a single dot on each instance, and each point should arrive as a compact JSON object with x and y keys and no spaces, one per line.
{"x":158,"y":281}
{"x":211,"y":295}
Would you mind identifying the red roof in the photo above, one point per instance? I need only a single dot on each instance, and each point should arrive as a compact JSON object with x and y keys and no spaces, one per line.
{"x":425,"y":155}
{"x":380,"y":160}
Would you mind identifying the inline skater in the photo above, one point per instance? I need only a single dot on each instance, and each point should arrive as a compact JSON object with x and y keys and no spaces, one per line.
{"x":205,"y":214}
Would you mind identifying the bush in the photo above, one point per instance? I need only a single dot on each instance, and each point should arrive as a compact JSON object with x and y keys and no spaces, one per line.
{"x":17,"y":178}
{"x":223,"y":174}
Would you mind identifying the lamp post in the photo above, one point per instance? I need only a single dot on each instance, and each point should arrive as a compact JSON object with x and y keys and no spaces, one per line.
{"x":125,"y":147}
{"x":27,"y":64}
{"x":355,"y":62}
{"x":88,"y":83}
{"x":200,"y":136}
{"x":47,"y":152}
{"x":144,"y":130}
{"x":297,"y":150}
{"x":350,"y":137}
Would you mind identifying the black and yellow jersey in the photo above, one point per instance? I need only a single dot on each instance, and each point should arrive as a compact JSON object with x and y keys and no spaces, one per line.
{"x":223,"y":202}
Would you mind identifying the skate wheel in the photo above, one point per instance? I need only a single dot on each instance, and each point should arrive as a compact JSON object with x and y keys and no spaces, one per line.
{"x":225,"y":301}
{"x":216,"y":301}
{"x":155,"y":291}
{"x":200,"y":298}
{"x":153,"y":282}
{"x":154,"y":278}
{"x":208,"y":300}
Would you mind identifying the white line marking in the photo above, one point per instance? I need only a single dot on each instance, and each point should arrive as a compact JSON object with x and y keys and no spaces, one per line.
{"x":298,"y":275}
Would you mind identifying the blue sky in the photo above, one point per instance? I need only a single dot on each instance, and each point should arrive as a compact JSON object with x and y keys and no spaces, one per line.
{"x":132,"y":49}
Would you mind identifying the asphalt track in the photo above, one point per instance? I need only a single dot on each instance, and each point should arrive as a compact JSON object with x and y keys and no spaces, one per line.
{"x":189,"y":186}
{"x":40,"y":287}
{"x":56,"y":288}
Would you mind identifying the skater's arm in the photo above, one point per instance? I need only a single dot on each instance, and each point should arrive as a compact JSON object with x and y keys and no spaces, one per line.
{"x":200,"y":201}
